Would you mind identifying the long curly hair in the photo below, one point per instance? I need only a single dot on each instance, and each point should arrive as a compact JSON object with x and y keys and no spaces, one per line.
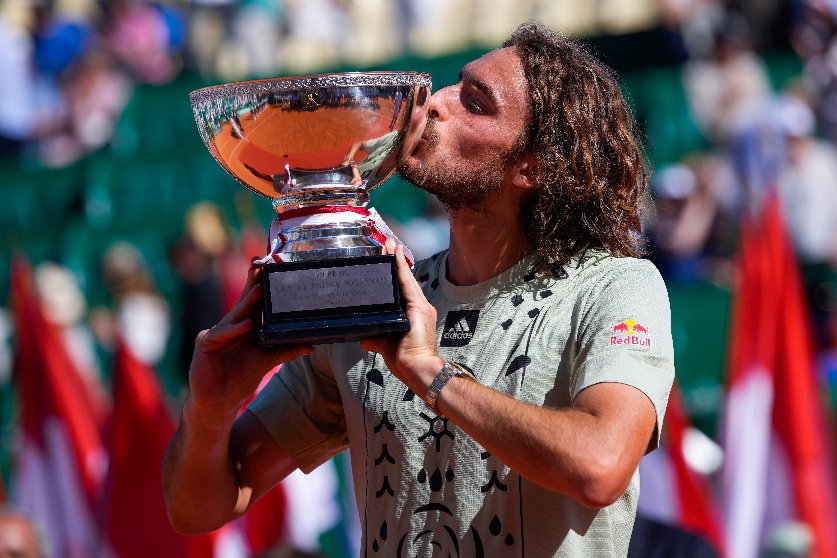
{"x":590,"y":174}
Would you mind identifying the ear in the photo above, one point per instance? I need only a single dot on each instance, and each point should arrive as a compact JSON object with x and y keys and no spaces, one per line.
{"x":523,"y":171}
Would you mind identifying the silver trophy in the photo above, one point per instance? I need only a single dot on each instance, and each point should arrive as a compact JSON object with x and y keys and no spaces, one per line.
{"x":317,"y":145}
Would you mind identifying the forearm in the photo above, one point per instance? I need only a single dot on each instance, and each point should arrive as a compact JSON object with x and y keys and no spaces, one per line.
{"x":200,"y":482}
{"x":573,"y":451}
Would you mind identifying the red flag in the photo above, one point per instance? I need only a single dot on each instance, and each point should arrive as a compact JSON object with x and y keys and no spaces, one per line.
{"x":697,"y":509}
{"x":778,"y":454}
{"x":136,"y":522}
{"x":676,"y":487}
{"x":264,"y":523}
{"x":60,"y":465}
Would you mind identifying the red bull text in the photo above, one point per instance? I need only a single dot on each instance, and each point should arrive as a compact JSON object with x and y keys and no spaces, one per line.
{"x":631,"y":333}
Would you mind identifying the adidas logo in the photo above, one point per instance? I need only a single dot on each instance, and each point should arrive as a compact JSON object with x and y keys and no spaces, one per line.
{"x":459,"y":328}
{"x":460,"y":331}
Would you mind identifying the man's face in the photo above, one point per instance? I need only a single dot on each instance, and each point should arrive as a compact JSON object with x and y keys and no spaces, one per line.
{"x":473,"y":133}
{"x":17,"y":538}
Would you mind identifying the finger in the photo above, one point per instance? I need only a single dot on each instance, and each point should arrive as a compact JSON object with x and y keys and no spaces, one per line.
{"x":254,"y":277}
{"x":409,"y":286}
{"x":389,"y":246}
{"x":374,"y":344}
{"x":223,"y":334}
{"x":247,"y":307}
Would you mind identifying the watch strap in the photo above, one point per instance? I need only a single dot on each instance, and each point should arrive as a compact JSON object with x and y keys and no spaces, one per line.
{"x":448,"y":371}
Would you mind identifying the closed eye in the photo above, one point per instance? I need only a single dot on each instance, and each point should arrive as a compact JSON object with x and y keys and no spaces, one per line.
{"x":472,"y":104}
{"x":476,"y":96}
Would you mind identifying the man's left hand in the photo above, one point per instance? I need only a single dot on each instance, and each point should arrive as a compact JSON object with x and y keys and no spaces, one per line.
{"x":412,"y":356}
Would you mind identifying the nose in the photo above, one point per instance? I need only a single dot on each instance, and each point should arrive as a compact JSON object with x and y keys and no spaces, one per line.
{"x":437,"y":107}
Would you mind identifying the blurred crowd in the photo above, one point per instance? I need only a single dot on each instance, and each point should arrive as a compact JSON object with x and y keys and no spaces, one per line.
{"x":761,"y":140}
{"x":69,"y":67}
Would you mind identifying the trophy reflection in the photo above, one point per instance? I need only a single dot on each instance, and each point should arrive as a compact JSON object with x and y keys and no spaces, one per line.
{"x":317,"y":145}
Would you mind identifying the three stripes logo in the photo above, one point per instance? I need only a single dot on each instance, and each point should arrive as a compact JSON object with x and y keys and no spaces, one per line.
{"x":459,"y":328}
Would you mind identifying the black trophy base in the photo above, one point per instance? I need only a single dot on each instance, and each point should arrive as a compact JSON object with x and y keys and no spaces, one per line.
{"x":335,"y":330}
{"x":331,"y":301}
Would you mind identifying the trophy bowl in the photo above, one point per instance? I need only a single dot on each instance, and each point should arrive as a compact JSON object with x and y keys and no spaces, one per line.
{"x":316,"y":146}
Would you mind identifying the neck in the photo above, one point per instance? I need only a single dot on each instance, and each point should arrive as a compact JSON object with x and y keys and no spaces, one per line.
{"x":484,"y":242}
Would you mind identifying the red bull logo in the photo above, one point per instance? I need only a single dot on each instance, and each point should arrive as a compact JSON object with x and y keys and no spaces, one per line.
{"x":630,"y":332}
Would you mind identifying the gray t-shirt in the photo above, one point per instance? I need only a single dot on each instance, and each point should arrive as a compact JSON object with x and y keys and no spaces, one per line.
{"x":424,"y":487}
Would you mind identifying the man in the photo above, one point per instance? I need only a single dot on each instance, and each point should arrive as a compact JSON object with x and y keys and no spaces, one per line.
{"x":570,"y":346}
{"x":18,"y":536}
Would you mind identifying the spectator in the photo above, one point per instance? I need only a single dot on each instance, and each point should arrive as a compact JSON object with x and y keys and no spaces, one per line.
{"x":693,"y":229}
{"x":142,"y":316}
{"x":813,"y":37}
{"x":94,"y":94}
{"x":807,"y":186}
{"x":17,"y":109}
{"x":790,"y":540}
{"x":212,"y":274}
{"x":139,"y":35}
{"x":727,"y":90}
{"x":65,"y":305}
{"x":19,"y":537}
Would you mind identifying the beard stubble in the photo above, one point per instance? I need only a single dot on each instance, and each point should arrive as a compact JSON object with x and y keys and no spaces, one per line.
{"x":460,"y":184}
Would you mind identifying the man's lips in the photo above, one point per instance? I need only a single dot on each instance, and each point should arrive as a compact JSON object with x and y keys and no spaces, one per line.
{"x":429,"y":128}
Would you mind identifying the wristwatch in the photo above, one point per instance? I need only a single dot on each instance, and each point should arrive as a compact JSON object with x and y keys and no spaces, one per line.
{"x":448,"y":371}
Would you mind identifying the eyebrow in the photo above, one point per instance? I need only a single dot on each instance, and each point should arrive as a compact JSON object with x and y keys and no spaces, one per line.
{"x":481,"y":86}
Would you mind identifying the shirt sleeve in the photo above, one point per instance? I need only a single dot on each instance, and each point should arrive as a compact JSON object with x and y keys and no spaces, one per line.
{"x":302,"y":409}
{"x":625,"y":336}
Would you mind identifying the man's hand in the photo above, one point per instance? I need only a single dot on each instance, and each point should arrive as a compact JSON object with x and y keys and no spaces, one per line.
{"x":410,"y":356}
{"x":228,"y":363}
{"x":209,"y":478}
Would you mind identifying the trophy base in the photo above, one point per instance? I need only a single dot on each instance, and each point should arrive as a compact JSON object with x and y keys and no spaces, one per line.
{"x":335,"y":330}
{"x":331,"y":301}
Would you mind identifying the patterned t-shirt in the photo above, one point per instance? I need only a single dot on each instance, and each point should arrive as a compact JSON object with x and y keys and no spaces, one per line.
{"x":424,"y":487}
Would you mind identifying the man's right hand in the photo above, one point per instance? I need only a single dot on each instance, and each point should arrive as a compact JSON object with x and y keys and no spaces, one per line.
{"x":228,"y":362}
{"x":212,"y":473}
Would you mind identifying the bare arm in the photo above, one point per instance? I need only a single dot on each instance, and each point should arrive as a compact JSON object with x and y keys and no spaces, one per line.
{"x":588,"y":451}
{"x":215,"y":466}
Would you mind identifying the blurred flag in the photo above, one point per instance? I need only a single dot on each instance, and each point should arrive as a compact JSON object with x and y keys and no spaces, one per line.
{"x":313,"y":506}
{"x":777,"y":469}
{"x":693,"y":457}
{"x":232,"y":270}
{"x":264,"y":523}
{"x":136,"y":523}
{"x":304,"y":511}
{"x":60,"y":462}
{"x":676,"y":488}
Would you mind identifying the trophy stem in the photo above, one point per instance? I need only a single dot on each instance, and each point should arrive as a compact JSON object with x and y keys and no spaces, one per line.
{"x":319,"y":232}
{"x":321,"y":196}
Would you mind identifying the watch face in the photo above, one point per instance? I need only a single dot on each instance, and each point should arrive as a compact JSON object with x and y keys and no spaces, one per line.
{"x":463,"y":371}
